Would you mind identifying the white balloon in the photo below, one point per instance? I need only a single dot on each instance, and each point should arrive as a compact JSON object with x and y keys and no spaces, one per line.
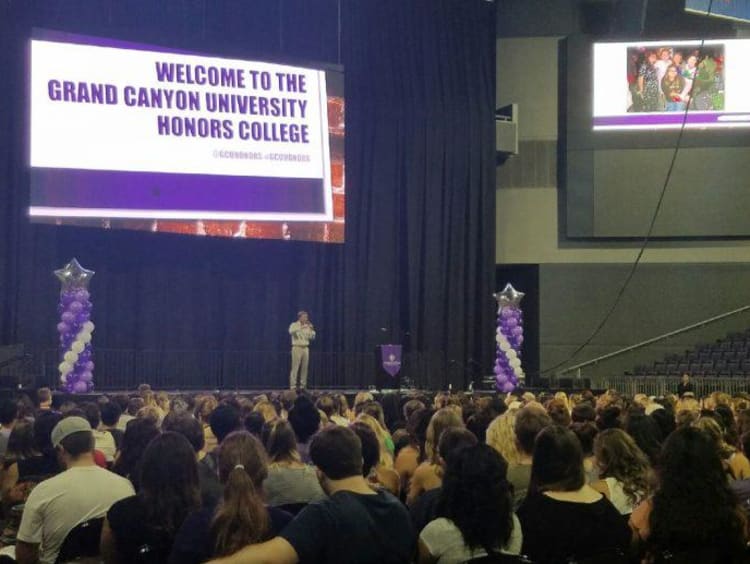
{"x":63,"y":378}
{"x":512,"y":354}
{"x":88,"y":327}
{"x":65,"y":367}
{"x":515,"y":363}
{"x":505,"y":346}
{"x":71,"y":356}
{"x":85,"y":338}
{"x":77,"y":347}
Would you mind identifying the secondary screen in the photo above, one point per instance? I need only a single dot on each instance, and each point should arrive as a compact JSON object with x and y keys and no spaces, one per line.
{"x":651,"y":85}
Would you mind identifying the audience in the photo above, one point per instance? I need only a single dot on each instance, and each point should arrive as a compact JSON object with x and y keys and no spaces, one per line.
{"x":623,"y":470}
{"x":475,"y":510}
{"x":83,"y":491}
{"x":8,"y":416}
{"x":307,"y":484}
{"x":168,"y":491}
{"x":585,"y":522}
{"x":241,"y":518}
{"x":427,"y":476}
{"x":452,"y":441}
{"x":289,"y":481}
{"x":136,"y":438}
{"x":530,"y":420}
{"x":693,"y":511}
{"x":354,"y":524}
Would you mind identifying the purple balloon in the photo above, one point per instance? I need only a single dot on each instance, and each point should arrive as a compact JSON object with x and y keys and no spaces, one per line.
{"x":507,"y":387}
{"x":87,"y":377}
{"x":80,"y":387}
{"x":68,"y":317}
{"x":75,"y":307}
{"x":82,"y":317}
{"x":517,"y":331}
{"x":89,"y":366}
{"x":67,"y":298}
{"x":82,"y":295}
{"x":62,"y":327}
{"x":510,"y":322}
{"x":506,"y":313}
{"x":502,"y":378}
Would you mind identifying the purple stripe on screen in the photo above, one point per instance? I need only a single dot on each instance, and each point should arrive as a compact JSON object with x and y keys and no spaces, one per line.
{"x":673,"y":118}
{"x":165,"y":191}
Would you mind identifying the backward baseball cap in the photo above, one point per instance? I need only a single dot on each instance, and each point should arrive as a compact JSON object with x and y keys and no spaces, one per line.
{"x":67,"y":427}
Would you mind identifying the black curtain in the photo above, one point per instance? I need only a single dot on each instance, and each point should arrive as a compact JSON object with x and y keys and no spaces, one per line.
{"x":418,"y":262}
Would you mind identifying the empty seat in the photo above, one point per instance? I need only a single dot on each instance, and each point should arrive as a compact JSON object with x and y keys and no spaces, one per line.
{"x":720,"y":365}
{"x":672,"y":369}
{"x":660,"y":367}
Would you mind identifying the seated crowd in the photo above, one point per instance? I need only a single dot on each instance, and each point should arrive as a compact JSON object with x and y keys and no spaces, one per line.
{"x":446,"y":478}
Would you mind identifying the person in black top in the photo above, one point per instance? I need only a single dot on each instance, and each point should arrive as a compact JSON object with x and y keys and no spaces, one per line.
{"x":241,"y":518}
{"x":685,"y":385}
{"x":562,"y":517}
{"x":451,"y":443}
{"x":150,"y":520}
{"x":354,"y":525}
{"x":33,"y":469}
{"x":110,"y":413}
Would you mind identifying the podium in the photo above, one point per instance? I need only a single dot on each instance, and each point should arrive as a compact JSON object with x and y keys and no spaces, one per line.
{"x":388,"y":367}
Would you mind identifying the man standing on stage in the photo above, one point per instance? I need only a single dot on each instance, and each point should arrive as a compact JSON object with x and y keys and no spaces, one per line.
{"x":302,"y":333}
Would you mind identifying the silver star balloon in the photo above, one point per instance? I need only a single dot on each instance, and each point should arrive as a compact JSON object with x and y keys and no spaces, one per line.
{"x":509,"y":297}
{"x":74,"y":276}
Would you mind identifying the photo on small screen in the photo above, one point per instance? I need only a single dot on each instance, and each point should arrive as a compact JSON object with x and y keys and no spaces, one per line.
{"x":675,"y":78}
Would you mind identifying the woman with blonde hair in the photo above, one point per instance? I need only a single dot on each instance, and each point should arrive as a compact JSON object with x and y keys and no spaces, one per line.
{"x":734,"y":461}
{"x":428,"y":475}
{"x":266,"y":409}
{"x":624,"y":470}
{"x":204,"y":407}
{"x":386,"y":460}
{"x":502,"y":437}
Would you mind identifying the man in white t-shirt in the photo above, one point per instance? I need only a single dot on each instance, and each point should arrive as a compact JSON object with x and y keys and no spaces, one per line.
{"x":84,"y":491}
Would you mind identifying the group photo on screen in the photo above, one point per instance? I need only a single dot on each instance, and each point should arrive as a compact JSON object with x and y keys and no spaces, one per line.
{"x":673,"y":78}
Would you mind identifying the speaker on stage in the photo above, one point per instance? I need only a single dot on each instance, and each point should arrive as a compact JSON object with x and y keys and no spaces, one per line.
{"x":388,"y":367}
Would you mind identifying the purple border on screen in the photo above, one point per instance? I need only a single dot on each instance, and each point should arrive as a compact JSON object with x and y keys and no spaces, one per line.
{"x":675,"y":118}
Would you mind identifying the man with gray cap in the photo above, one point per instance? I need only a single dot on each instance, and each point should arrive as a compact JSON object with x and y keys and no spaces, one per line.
{"x":83,"y":491}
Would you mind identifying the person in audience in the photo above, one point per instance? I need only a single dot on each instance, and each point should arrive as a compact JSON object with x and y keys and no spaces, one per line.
{"x":204,"y":406}
{"x":111,"y":413}
{"x":646,"y":434}
{"x":502,"y":437}
{"x":254,"y":422}
{"x":373,"y":470}
{"x":725,"y":417}
{"x":585,"y":522}
{"x":20,"y":444}
{"x":266,"y":409}
{"x":586,"y":433}
{"x":410,"y":456}
{"x":169,"y":491}
{"x":424,"y":509}
{"x":305,"y":421}
{"x":139,"y":433}
{"x":735,"y":462}
{"x":384,"y":438}
{"x":163,"y":403}
{"x":530,"y":420}
{"x":685,"y":385}
{"x":289,"y":481}
{"x":82,"y":492}
{"x":354,"y":524}
{"x":42,"y":464}
{"x":475,"y":510}
{"x":693,"y":510}
{"x":427,"y":476}
{"x":188,"y":426}
{"x":624,"y":470}
{"x":557,"y":409}
{"x":241,"y":518}
{"x":44,"y":399}
{"x":327,"y":404}
{"x":375,"y":410}
{"x":223,"y":420}
{"x":582,"y":413}
{"x":103,"y":440}
{"x":8,"y":416}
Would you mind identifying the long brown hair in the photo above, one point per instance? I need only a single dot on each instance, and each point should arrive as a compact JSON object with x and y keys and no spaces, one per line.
{"x":619,"y":457}
{"x":241,"y":518}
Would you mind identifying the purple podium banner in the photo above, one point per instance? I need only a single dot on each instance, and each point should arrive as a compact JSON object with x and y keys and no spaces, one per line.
{"x":391,"y":358}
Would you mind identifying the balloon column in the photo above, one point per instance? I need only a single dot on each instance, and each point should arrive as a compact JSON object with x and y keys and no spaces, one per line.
{"x":75,"y":328}
{"x":509,"y":338}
